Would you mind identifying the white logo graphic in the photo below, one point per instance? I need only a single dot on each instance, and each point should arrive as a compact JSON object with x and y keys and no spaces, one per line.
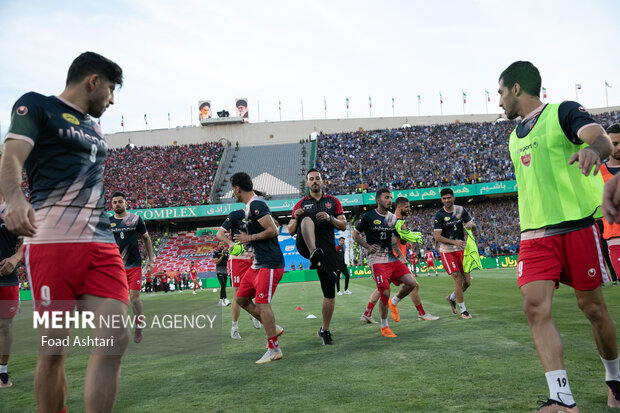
{"x":591,"y":272}
{"x":520,"y":269}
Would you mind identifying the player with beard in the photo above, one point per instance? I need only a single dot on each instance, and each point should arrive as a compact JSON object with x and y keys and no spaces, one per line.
{"x":126,"y":227}
{"x":313,"y":220}
{"x":259,"y":282}
{"x":402,"y":209}
{"x":449,"y":224}
{"x":70,"y":253}
{"x":556,"y":151}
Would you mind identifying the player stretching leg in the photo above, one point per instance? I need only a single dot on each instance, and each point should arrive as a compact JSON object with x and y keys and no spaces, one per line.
{"x":450,"y":235}
{"x":260,"y":281}
{"x":126,"y":227}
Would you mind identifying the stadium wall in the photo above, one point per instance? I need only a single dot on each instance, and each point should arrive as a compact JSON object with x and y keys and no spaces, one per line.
{"x":268,"y":133}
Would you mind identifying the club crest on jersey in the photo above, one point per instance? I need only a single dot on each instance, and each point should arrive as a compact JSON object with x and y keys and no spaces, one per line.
{"x":376,"y":222}
{"x":328,"y":205}
{"x":591,"y":272}
{"x":526,"y":159}
{"x":22,"y":110}
{"x":112,"y":224}
{"x":256,"y":212}
{"x":446,"y":218}
{"x":70,"y":118}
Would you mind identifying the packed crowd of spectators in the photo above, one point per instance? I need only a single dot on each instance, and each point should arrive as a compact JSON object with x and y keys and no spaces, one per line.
{"x":162,"y":176}
{"x":420,"y":156}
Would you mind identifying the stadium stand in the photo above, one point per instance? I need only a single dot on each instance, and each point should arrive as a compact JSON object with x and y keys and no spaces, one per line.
{"x":183,"y":247}
{"x":278,"y":170}
{"x":162,"y":176}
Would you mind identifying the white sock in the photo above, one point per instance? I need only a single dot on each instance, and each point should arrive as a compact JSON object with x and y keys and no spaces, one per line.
{"x":235,"y":324}
{"x":2,"y":368}
{"x":395,"y":300}
{"x":559,"y":389}
{"x":462,"y":305}
{"x":384,"y":322}
{"x":612,"y":369}
{"x":453,"y":296}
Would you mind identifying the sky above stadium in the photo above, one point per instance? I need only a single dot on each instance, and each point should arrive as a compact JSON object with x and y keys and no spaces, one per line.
{"x":176,"y":53}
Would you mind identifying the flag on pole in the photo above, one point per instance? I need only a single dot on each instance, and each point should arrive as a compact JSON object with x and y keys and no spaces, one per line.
{"x":419,"y":98}
{"x":578,"y":86}
{"x":392,"y":103}
{"x":122,"y":120}
{"x":488,"y":96}
{"x":440,"y":99}
{"x":279,"y":105}
{"x":347,"y":102}
{"x":544,"y":93}
{"x":145,"y":121}
{"x":325,"y":102}
{"x":607,"y":84}
{"x":464,"y":97}
{"x":168,"y":116}
{"x":369,"y":102}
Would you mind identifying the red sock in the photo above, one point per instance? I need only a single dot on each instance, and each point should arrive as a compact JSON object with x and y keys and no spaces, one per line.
{"x":369,"y":309}
{"x":195,"y":286}
{"x":420,"y":309}
{"x":273,"y":342}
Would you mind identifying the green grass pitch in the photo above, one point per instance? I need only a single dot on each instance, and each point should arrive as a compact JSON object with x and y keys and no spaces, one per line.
{"x":486,"y":364}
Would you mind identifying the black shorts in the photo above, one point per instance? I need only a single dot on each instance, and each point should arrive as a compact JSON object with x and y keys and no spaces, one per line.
{"x":327,"y":272}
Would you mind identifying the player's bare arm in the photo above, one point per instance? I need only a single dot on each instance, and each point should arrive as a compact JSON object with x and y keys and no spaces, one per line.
{"x":221,"y":235}
{"x":357,"y":237}
{"x":397,"y":250}
{"x":292,"y":225}
{"x":611,"y":200}
{"x":19,"y":215}
{"x":457,"y":242}
{"x":599,"y":149}
{"x":146,"y":238}
{"x":270,"y":231}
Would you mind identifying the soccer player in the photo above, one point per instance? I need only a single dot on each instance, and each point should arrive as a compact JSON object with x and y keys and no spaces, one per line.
{"x":194,"y":276}
{"x":126,"y":227}
{"x":379,"y":227}
{"x":611,"y":233}
{"x":260,"y":281}
{"x":70,"y":253}
{"x":313,"y":220}
{"x":556,"y":150}
{"x":402,"y":209}
{"x":342,"y":267}
{"x":220,"y":256}
{"x":11,"y":254}
{"x":430,"y":262}
{"x":237,"y":264}
{"x":449,"y":224}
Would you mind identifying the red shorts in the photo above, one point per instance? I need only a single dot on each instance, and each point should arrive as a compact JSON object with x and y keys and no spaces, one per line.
{"x":387,"y":273}
{"x":614,"y":255}
{"x":134,"y":278}
{"x":430,"y":263}
{"x":574,"y":259}
{"x":260,"y":284}
{"x":236,"y":269}
{"x":93,"y":268}
{"x":452,"y":261}
{"x":9,"y":301}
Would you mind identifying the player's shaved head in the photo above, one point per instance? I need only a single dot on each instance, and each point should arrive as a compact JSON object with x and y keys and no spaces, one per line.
{"x":401,"y":200}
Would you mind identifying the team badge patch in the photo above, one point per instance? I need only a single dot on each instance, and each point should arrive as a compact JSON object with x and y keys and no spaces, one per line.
{"x":112,"y":224}
{"x":328,"y":205}
{"x":526,"y":159}
{"x":22,"y":110}
{"x":376,"y":222}
{"x":70,"y":118}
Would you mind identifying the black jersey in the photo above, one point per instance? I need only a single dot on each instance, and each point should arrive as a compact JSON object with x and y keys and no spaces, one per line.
{"x":323,"y":230}
{"x":451,"y":226}
{"x":64,"y":169}
{"x":267,"y":253}
{"x":126,"y":231}
{"x":340,"y":250}
{"x":8,"y":242}
{"x":572,"y":117}
{"x":235,"y":223}
{"x":379,"y":230}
